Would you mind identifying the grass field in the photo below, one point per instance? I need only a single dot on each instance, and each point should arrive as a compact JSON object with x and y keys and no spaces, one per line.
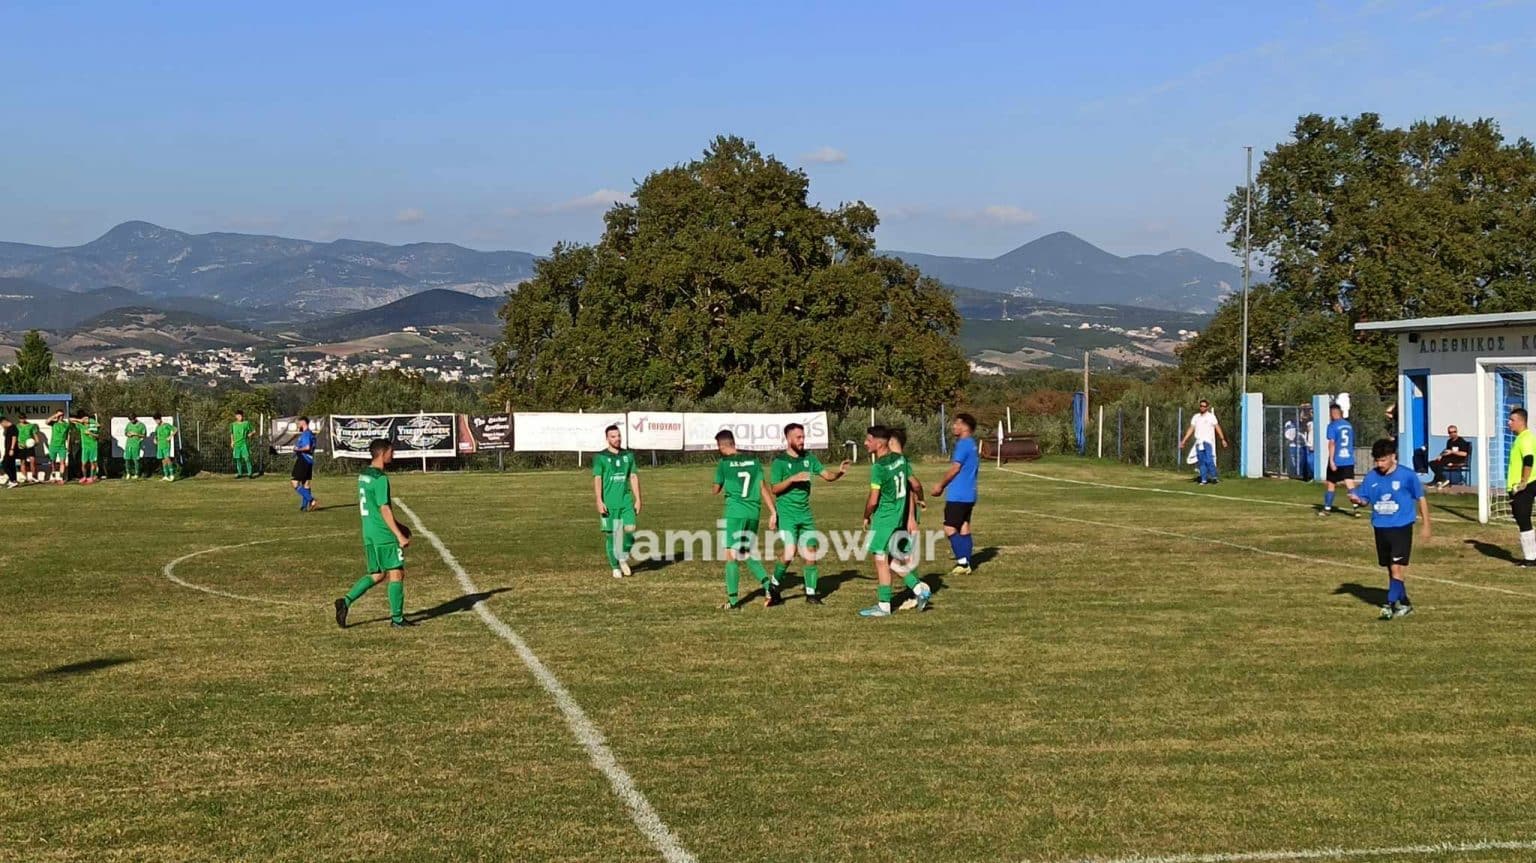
{"x":1130,"y":674}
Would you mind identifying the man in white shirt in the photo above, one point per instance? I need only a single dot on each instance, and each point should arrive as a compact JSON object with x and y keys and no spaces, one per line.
{"x":1206,"y":431}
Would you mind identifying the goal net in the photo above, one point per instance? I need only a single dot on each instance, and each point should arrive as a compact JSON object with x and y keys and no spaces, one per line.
{"x":1502,"y":386}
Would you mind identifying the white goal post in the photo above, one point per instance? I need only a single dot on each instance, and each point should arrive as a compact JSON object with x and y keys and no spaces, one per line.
{"x":1502,"y":385}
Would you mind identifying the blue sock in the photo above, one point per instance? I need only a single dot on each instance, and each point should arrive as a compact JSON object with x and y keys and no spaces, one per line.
{"x":957,"y":546}
{"x":1395,"y":591}
{"x":966,"y":546}
{"x":1327,"y":500}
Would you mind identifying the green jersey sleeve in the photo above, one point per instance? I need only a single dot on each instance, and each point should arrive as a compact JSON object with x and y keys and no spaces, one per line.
{"x":779,"y":470}
{"x":720,"y":472}
{"x":378,"y":492}
{"x":816,"y":466}
{"x":598,"y":464}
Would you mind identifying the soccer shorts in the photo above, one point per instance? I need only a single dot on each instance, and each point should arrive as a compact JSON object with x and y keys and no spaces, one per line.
{"x":58,"y":454}
{"x":162,"y":452}
{"x":384,"y":556}
{"x":740,"y":535}
{"x":240,"y":450}
{"x":884,"y":536}
{"x":1394,"y":545}
{"x":89,"y":453}
{"x":303,"y":471}
{"x":797,"y":529}
{"x":132,"y":453}
{"x":1340,"y":474}
{"x":957,"y":513}
{"x":616,"y":517}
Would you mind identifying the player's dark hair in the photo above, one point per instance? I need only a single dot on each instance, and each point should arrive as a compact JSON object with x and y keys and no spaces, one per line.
{"x":725,"y":435}
{"x":899,"y":435}
{"x":613,"y":427}
{"x":791,"y":427}
{"x":239,"y":413}
{"x":155,"y":417}
{"x":378,"y":446}
{"x":1383,"y":448}
{"x":304,"y":420}
{"x":1335,"y":406}
{"x":1520,"y":412}
{"x":970,"y":421}
{"x":879,"y":432}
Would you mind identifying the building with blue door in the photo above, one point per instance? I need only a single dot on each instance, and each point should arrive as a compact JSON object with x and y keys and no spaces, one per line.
{"x":1438,"y":373}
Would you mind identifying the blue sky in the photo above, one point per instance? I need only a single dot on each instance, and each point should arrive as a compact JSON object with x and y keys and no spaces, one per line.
{"x":972,"y":128}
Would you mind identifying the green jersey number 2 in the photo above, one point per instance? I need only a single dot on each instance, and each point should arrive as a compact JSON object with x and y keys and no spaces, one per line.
{"x":362,"y":502}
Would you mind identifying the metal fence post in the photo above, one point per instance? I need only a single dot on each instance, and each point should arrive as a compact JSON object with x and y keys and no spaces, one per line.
{"x":1101,"y":431}
{"x":1146,"y":438}
{"x":1119,"y":434}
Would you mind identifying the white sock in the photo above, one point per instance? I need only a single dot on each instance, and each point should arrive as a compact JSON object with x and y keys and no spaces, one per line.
{"x":885,"y":606}
{"x":1528,"y":543}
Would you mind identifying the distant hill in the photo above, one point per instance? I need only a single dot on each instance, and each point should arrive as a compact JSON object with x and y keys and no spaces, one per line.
{"x":28,"y":304}
{"x":1066,"y":268}
{"x":143,"y":328}
{"x":247,"y":270}
{"x":436,"y":307}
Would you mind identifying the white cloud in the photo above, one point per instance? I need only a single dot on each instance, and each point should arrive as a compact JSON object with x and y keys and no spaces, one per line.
{"x":899,"y":212}
{"x":411,"y":216}
{"x":825,"y":156}
{"x":601,"y":199}
{"x":996,"y":214}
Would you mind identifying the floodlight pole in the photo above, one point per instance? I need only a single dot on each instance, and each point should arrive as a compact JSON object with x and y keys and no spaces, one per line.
{"x":1247,"y":235}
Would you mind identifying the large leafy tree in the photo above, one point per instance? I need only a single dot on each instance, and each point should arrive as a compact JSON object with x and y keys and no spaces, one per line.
{"x":33,"y":367}
{"x":1357,"y":221}
{"x":721,"y":278}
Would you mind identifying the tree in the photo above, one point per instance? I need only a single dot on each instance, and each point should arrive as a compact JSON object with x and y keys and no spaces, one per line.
{"x":1360,"y":222}
{"x":721,"y":279}
{"x":33,"y":368}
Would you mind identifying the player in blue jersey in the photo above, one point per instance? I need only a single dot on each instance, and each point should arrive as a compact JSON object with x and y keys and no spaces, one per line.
{"x":1340,"y":449}
{"x":304,"y":466}
{"x":1393,"y":493}
{"x":958,"y":488}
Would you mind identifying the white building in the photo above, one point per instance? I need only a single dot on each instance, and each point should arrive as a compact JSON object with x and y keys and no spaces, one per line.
{"x":1437,"y":380}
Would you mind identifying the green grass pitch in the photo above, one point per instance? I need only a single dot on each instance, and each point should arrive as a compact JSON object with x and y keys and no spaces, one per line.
{"x":1128,"y":673}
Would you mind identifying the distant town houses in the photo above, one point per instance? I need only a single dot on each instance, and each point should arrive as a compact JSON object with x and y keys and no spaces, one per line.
{"x":254,"y":366}
{"x":1152,"y":333}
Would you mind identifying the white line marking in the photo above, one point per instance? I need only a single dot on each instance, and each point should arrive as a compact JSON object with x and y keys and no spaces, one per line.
{"x":1322,"y":853}
{"x":586,"y":732}
{"x":170,"y":570}
{"x":1199,"y":494}
{"x":1256,"y":550}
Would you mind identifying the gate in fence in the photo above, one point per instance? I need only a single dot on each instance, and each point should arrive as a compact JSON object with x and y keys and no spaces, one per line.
{"x":1288,"y":441}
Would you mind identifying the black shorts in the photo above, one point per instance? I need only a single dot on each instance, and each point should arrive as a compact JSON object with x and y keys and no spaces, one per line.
{"x":303,"y":471}
{"x":1338,"y":475}
{"x":956,"y":513}
{"x":1394,"y":545}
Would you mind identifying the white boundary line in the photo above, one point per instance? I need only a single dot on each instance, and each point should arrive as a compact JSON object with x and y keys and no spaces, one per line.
{"x":170,"y":570}
{"x":1256,"y":550}
{"x":576,"y":719}
{"x":1324,"y":853}
{"x":1199,"y":494}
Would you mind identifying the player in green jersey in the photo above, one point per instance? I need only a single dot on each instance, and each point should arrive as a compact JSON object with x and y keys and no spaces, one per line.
{"x":165,"y":434}
{"x":790,"y":478}
{"x":887,"y":518}
{"x":133,"y":448}
{"x":384,"y":539}
{"x":90,"y":448}
{"x":616,"y":487}
{"x":240,"y":446}
{"x":904,"y":558}
{"x":27,"y":434}
{"x":740,"y":478}
{"x":58,"y":447}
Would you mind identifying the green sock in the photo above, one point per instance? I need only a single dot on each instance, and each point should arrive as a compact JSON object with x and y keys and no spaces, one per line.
{"x":732,"y":580}
{"x":756,"y":566}
{"x":360,"y":588}
{"x":613,"y":559}
{"x":911,"y":580}
{"x":811,"y":576}
{"x":883,"y":593}
{"x":397,"y":601}
{"x":779,"y":570}
{"x":629,"y":542}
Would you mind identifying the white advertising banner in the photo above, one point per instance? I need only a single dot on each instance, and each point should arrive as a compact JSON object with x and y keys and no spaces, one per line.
{"x":654,"y":430}
{"x":562,"y":432}
{"x":119,"y":426}
{"x":755,"y":432}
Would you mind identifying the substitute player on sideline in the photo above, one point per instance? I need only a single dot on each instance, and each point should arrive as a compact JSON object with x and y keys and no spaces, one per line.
{"x":1393,"y":492}
{"x":958,"y":488}
{"x":133,"y":448}
{"x":27,"y":434}
{"x":304,"y":466}
{"x":384,"y":538}
{"x":165,"y":435}
{"x":240,"y":446}
{"x":616,"y":487}
{"x":740,"y":477}
{"x":886,"y":517}
{"x":1522,"y":463}
{"x":1341,"y":459}
{"x":58,"y":448}
{"x":790,"y":477}
{"x":90,"y":448}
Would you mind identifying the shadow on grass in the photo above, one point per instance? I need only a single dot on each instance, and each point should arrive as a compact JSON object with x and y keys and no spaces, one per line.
{"x":453,"y":606}
{"x":1497,"y":552}
{"x":980,"y":557}
{"x":830,"y":582}
{"x":1367,"y":595}
{"x":1454,"y":512}
{"x":83,"y":667}
{"x":655,"y":564}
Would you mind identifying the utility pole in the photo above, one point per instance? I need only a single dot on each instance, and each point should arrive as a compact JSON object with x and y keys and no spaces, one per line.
{"x":1085,"y":387}
{"x":1247,"y":257}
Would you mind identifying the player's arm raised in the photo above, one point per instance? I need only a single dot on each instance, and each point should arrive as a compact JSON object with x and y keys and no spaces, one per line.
{"x":833,"y":476}
{"x":789,"y":482}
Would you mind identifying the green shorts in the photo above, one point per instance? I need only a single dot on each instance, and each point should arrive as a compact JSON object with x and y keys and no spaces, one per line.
{"x":797,"y":529}
{"x":240,"y":451}
{"x":162,"y":452}
{"x":740,"y":534}
{"x":883,"y":534}
{"x":60,"y":453}
{"x":89,"y":453}
{"x":384,"y":556}
{"x":616,"y":517}
{"x":133,"y":453}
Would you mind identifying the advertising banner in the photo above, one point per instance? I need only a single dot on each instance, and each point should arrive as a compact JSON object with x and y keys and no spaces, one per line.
{"x":484,"y":433}
{"x":119,"y":426}
{"x":755,"y":432}
{"x":654,"y":430}
{"x":414,"y":435}
{"x":283,"y":431}
{"x":562,"y":432}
